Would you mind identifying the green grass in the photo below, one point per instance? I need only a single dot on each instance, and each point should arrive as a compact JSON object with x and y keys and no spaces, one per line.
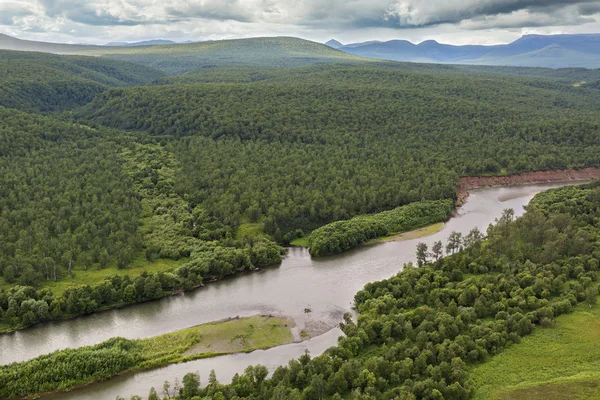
{"x":249,"y":229}
{"x":216,"y":338}
{"x":560,"y":362}
{"x":242,"y":335}
{"x":95,"y":276}
{"x":301,"y":242}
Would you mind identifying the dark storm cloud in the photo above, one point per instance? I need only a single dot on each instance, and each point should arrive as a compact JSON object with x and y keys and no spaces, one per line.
{"x":413,"y":14}
{"x":589,"y":9}
{"x":340,"y":14}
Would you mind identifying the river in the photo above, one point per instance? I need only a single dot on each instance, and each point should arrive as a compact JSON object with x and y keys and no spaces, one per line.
{"x":325,"y":285}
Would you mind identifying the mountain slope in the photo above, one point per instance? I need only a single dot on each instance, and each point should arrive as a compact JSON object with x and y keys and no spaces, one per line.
{"x":181,"y":58}
{"x":47,"y":82}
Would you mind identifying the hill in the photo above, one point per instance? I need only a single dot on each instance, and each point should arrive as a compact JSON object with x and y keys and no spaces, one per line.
{"x":556,"y":51}
{"x":337,"y":128}
{"x":182,"y":58}
{"x":257,"y":52}
{"x":47,"y":82}
{"x":12,"y":43}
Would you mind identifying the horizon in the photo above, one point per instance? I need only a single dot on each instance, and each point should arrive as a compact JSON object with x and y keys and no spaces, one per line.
{"x":191,"y":41}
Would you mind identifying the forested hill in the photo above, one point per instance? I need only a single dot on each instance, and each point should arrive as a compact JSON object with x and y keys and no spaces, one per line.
{"x":47,"y":82}
{"x":352,"y":140}
{"x":580,"y":77}
{"x":181,"y":58}
{"x":257,"y":52}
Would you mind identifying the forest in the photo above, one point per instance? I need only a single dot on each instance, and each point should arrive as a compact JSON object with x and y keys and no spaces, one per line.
{"x":45,"y":82}
{"x":349,"y":140}
{"x":418,"y":332}
{"x":98,"y":175}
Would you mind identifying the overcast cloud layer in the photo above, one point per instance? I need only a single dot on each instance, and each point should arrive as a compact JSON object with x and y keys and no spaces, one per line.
{"x":448,"y":21}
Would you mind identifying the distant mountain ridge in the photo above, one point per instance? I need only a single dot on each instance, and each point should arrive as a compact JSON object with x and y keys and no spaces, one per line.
{"x":555,"y":51}
{"x":334,"y":44}
{"x":153,"y":42}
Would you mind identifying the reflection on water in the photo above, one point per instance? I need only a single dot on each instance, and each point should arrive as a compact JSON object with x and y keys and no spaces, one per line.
{"x":325,"y":285}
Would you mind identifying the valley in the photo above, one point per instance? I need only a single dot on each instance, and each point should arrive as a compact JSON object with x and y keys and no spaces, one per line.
{"x":149,"y":191}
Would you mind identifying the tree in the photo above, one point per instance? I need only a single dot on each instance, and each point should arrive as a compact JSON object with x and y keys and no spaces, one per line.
{"x":167,"y":389}
{"x":153,"y":395}
{"x":591,"y":296}
{"x":437,"y":250}
{"x":454,"y":242}
{"x":474,"y":237}
{"x":422,"y":254}
{"x":191,"y":385}
{"x":67,"y":259}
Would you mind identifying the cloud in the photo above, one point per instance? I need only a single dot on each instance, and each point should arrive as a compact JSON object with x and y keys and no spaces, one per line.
{"x":525,"y":18}
{"x":220,"y":10}
{"x":195,"y":19}
{"x":12,"y":11}
{"x":420,"y":13}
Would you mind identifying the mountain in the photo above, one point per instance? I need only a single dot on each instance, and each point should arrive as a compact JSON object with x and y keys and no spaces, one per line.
{"x":555,"y":51}
{"x":334,"y":44}
{"x":144,"y":43}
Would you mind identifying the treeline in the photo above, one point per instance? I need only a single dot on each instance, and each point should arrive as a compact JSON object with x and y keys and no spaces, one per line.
{"x":343,"y":235}
{"x":418,"y":332}
{"x":349,"y":140}
{"x":65,"y":369}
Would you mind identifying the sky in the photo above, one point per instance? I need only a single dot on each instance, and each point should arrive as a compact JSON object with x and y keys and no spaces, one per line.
{"x":447,"y":21}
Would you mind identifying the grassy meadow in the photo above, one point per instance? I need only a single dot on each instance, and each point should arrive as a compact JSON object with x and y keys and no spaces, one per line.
{"x":558,"y":362}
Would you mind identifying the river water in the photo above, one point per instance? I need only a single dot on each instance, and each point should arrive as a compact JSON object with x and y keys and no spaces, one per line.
{"x":325,"y":285}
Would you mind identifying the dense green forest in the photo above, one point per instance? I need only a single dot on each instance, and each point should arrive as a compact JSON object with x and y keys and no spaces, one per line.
{"x":74,"y":198}
{"x":418,"y":331}
{"x":44,"y":82}
{"x":343,"y":235}
{"x":350,"y":140}
{"x":255,"y":52}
